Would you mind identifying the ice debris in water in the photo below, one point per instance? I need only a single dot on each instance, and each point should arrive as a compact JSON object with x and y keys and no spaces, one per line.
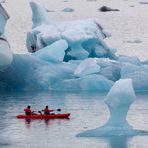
{"x":69,"y":56}
{"x":68,"y":10}
{"x":118,"y":100}
{"x":134,"y":41}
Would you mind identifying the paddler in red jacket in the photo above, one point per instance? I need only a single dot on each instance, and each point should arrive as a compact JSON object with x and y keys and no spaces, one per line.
{"x":47,"y":111}
{"x":28,"y":110}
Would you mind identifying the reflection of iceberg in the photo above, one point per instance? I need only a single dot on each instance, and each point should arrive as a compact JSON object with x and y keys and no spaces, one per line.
{"x":119,"y":99}
{"x":5,"y":53}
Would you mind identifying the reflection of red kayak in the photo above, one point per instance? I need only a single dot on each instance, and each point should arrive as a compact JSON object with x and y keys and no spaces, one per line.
{"x":54,"y":116}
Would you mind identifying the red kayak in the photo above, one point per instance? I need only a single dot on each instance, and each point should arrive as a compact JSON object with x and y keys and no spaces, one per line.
{"x":52,"y":116}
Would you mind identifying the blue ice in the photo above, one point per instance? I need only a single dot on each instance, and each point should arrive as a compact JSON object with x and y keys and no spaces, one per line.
{"x":68,"y":10}
{"x":118,"y":100}
{"x":68,"y":55}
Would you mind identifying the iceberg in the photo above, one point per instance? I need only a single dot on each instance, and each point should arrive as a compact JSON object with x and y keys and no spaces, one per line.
{"x":87,"y":67}
{"x":139,"y":75}
{"x":54,"y":52}
{"x":5,"y":53}
{"x":68,"y":10}
{"x":132,"y":60}
{"x":92,"y":82}
{"x":118,"y":100}
{"x":84,"y":37}
{"x":69,"y":55}
{"x":28,"y":72}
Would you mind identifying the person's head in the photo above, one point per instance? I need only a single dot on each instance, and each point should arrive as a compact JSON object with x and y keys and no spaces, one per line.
{"x":46,"y":107}
{"x":28,"y":107}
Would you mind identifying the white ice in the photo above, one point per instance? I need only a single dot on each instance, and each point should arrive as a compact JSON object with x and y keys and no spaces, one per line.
{"x":84,"y":37}
{"x":5,"y":53}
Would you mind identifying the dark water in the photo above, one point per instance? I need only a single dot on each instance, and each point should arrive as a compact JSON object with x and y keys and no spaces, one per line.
{"x":88,"y":111}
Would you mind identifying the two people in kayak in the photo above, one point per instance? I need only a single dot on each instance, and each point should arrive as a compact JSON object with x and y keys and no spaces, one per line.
{"x":46,"y":111}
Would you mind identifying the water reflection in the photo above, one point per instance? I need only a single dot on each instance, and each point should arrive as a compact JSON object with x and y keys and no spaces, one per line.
{"x":87,"y":110}
{"x":118,"y":142}
{"x":47,"y":122}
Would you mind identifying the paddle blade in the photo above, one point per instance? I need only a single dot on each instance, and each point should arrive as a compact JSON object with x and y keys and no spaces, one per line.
{"x":59,"y":110}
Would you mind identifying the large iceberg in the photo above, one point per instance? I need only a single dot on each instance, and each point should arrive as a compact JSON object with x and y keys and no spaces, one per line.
{"x":67,"y":56}
{"x":35,"y":74}
{"x":84,"y":37}
{"x":118,"y":100}
{"x":5,"y":53}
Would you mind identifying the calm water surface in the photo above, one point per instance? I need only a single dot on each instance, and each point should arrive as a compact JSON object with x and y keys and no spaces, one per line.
{"x":88,"y":111}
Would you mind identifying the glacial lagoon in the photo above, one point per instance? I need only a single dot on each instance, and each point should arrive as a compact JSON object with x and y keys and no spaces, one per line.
{"x":88,"y":111}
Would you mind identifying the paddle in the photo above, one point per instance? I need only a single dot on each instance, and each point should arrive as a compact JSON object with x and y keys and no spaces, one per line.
{"x":59,"y":110}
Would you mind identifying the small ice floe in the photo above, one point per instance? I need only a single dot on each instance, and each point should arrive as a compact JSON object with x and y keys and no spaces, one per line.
{"x":137,"y":41}
{"x":50,"y":10}
{"x":68,"y":10}
{"x":144,"y":2}
{"x":66,"y":1}
{"x":91,"y":0}
{"x":132,"y":6}
{"x":5,"y":52}
{"x":105,"y":9}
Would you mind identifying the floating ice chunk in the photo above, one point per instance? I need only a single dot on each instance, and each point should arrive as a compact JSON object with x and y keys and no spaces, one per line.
{"x":68,"y":10}
{"x":145,"y":62}
{"x":111,"y":72}
{"x":87,"y":67}
{"x":3,"y":19}
{"x":118,"y":100}
{"x":40,"y":15}
{"x":139,"y":75}
{"x":5,"y":54}
{"x":87,"y":83}
{"x":65,"y":1}
{"x":38,"y":74}
{"x":140,"y":80}
{"x":128,"y":68}
{"x":109,"y":68}
{"x":54,"y":52}
{"x":30,"y":73}
{"x":79,"y":35}
{"x":144,"y":2}
{"x":91,"y":0}
{"x":134,"y":41}
{"x":133,"y":60}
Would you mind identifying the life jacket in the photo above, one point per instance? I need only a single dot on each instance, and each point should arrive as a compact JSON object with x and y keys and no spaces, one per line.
{"x":28,"y":111}
{"x":47,"y":111}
